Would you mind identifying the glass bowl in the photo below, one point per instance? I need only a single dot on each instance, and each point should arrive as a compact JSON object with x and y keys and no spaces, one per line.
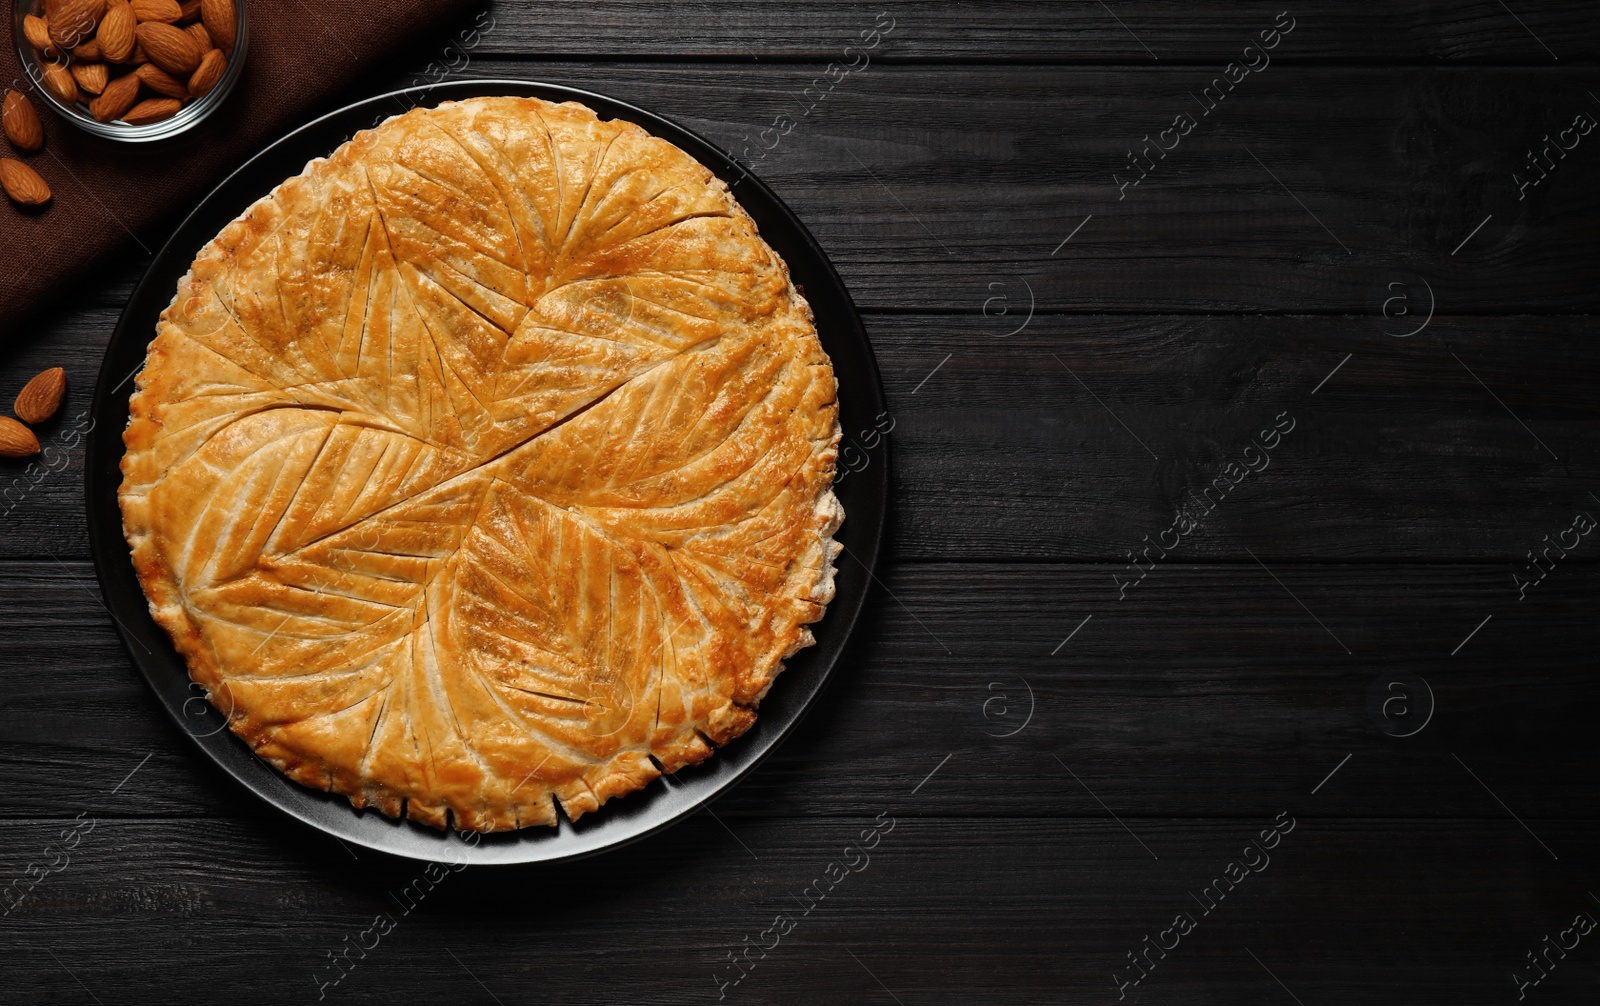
{"x":190,"y":115}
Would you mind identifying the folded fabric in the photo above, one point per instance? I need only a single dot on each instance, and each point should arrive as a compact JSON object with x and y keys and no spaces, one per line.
{"x":110,"y":197}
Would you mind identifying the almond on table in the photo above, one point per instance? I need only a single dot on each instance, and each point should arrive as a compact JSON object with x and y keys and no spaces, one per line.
{"x":41,"y":397}
{"x":22,"y":183}
{"x":16,"y":440}
{"x":21,"y":123}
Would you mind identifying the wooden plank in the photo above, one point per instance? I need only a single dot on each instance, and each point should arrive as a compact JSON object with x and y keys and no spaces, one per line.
{"x":1308,"y":189}
{"x":262,"y":903}
{"x":1160,"y":702}
{"x":1079,"y":437}
{"x":1165,"y":31}
{"x":1039,"y":742}
{"x":1000,"y":452}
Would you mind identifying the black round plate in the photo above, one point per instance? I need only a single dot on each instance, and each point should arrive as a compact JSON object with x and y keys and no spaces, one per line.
{"x":863,"y":493}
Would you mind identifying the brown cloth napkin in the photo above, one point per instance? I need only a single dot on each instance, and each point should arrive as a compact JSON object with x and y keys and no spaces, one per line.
{"x":304,"y":57}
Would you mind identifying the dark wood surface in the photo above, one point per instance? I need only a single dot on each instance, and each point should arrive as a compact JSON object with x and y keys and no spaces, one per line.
{"x":1055,"y":800}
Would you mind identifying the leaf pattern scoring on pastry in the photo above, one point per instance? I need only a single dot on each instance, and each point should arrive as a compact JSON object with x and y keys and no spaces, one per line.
{"x":485,"y":465}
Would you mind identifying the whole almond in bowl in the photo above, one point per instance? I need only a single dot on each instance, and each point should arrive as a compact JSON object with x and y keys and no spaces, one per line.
{"x":41,"y":397}
{"x":59,"y":80}
{"x":172,"y":49}
{"x":183,"y":51}
{"x":16,"y":440}
{"x":221,"y":21}
{"x":72,"y":22}
{"x":116,"y":35}
{"x":165,"y":11}
{"x":37,"y":32}
{"x":212,"y":66}
{"x":161,"y":82}
{"x":152,"y":110}
{"x":21,"y":123}
{"x":202,"y":38}
{"x":91,"y":77}
{"x":22,"y":183}
{"x":116,"y":99}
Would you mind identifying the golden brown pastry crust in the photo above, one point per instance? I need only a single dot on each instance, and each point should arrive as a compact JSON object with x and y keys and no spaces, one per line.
{"x":486,"y":461}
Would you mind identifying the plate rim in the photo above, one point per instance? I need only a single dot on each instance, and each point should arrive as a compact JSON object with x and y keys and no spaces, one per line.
{"x":111,"y":556}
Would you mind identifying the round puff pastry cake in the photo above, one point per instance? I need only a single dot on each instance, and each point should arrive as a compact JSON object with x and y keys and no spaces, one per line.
{"x":486,"y":464}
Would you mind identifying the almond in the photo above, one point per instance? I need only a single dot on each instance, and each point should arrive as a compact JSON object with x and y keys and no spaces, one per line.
{"x":116,"y":36}
{"x":73,"y":21}
{"x":54,"y":7}
{"x":38,"y":33}
{"x":21,"y":122}
{"x":165,"y":11}
{"x":60,"y":82}
{"x":89,"y":52}
{"x":151,"y":110}
{"x":139,"y":57}
{"x":221,"y":21}
{"x":116,"y":99}
{"x":22,"y":183}
{"x":91,"y":77}
{"x":161,"y":82}
{"x":16,"y":440}
{"x":191,"y":11}
{"x":200,"y":35}
{"x":169,"y":48}
{"x":212,"y":66}
{"x":41,"y":397}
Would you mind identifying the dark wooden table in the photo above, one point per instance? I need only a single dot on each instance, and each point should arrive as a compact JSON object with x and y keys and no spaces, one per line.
{"x":1089,"y":681}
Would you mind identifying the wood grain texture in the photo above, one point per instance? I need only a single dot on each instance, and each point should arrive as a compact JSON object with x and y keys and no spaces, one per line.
{"x":1001,"y":453}
{"x":1163,"y":700}
{"x":1068,"y":761}
{"x":1078,"y":437}
{"x":1306,"y":190}
{"x":1167,"y":31}
{"x":997,"y":910}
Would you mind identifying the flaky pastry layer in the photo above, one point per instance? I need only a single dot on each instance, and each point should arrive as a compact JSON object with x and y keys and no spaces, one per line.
{"x":485,"y":465}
